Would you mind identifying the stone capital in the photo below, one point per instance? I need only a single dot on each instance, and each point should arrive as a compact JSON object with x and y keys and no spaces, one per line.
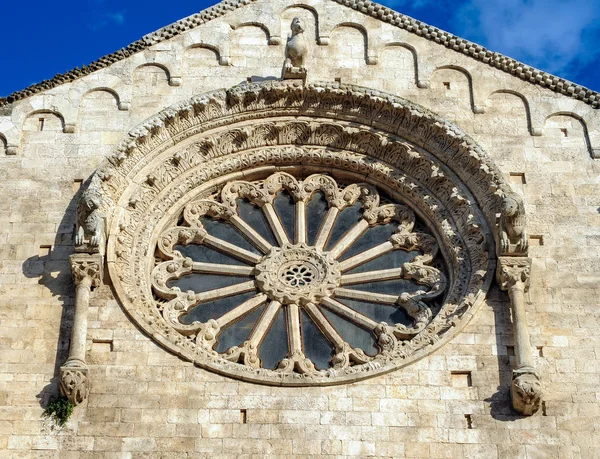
{"x":86,"y":268}
{"x":513,"y":272}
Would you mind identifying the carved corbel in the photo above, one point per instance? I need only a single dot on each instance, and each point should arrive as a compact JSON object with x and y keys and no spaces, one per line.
{"x":175,"y":81}
{"x":526,"y":390}
{"x":87,"y":274}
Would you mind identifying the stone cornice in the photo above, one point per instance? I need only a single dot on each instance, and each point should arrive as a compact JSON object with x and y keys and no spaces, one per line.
{"x":477,"y":52}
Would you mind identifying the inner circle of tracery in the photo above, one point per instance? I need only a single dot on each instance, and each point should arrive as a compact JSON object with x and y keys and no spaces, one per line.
{"x":219,"y":152}
{"x":297,"y":273}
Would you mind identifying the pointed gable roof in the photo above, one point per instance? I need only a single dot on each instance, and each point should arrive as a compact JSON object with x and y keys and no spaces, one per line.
{"x":383,"y":13}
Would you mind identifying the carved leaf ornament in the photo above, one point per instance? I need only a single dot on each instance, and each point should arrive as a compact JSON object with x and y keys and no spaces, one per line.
{"x":294,"y":235}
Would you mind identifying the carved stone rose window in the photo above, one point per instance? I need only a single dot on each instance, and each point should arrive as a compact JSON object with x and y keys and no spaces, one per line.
{"x":301,"y":233}
{"x":297,"y":234}
{"x":298,"y":276}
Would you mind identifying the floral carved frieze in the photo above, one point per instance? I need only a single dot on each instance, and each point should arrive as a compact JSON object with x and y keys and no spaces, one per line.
{"x":353,"y":118}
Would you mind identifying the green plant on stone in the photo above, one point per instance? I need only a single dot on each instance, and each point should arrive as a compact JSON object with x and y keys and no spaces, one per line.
{"x":60,"y":409}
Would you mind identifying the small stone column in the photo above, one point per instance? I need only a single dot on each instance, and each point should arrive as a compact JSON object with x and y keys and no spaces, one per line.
{"x":87,"y":273}
{"x":526,"y":389}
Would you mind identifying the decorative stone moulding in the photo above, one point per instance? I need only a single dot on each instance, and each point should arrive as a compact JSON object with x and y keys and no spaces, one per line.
{"x":402,"y":164}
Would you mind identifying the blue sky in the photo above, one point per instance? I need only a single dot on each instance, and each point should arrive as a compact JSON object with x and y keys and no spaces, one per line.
{"x":40,"y":40}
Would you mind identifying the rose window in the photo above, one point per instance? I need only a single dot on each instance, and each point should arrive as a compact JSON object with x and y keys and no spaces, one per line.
{"x":302,"y":276}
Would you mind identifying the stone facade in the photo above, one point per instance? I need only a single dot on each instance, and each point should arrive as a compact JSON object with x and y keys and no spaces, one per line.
{"x":83,"y":158}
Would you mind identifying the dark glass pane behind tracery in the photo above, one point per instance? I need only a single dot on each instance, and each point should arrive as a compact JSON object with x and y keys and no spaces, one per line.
{"x":393,"y":259}
{"x":238,"y":332}
{"x":345,"y":220}
{"x":352,"y":334}
{"x":204,"y":254}
{"x":316,"y":347}
{"x":274,"y":346}
{"x":379,"y":312}
{"x":389,"y":287}
{"x":373,"y":236}
{"x":253,"y":215}
{"x":315,"y":214}
{"x":227,"y":232}
{"x":205,"y":282}
{"x":285,"y":208}
{"x":214,"y":309}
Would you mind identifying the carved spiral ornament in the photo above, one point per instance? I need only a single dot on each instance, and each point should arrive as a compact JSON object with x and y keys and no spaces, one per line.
{"x":299,"y":236}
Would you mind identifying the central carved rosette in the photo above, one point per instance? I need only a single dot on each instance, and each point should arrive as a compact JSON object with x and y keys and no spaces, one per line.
{"x":297,"y":274}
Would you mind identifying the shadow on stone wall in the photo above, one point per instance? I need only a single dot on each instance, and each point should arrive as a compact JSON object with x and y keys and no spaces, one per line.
{"x":258,"y":79}
{"x":54,"y":273}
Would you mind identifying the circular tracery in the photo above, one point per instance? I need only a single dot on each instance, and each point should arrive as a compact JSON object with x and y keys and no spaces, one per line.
{"x":352,"y":275}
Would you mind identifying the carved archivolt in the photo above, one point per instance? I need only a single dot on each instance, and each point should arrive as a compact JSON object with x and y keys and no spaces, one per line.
{"x":353,"y":118}
{"x":399,"y":162}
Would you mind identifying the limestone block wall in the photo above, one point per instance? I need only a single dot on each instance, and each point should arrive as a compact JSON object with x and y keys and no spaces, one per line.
{"x":145,"y":402}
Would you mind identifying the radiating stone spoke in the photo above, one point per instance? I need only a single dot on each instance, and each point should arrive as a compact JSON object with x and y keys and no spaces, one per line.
{"x":380,"y":298}
{"x":231,"y":249}
{"x":326,"y":227}
{"x":264,"y":323}
{"x":349,"y":238}
{"x":366,"y":256}
{"x":348,"y":313}
{"x":224,"y":292}
{"x":293,"y":324}
{"x":275,"y":223}
{"x":372,"y":276}
{"x":317,"y":316}
{"x":300,"y":223}
{"x":251,"y":234}
{"x":214,"y":268}
{"x":241,"y":310}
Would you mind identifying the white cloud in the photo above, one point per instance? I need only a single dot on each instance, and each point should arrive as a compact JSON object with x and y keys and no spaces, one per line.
{"x":106,"y":19}
{"x":117,"y":18}
{"x":552,"y":34}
